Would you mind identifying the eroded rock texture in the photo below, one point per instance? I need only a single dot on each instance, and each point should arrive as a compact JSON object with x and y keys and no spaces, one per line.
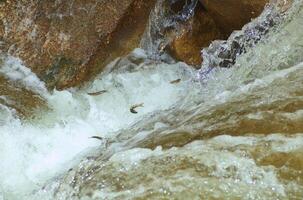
{"x":66,"y":42}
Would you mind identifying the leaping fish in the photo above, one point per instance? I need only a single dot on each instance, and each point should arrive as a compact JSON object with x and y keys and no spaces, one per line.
{"x":97,"y":93}
{"x":106,"y":142}
{"x":132,"y":108}
{"x":175,"y":81}
{"x":97,"y":137}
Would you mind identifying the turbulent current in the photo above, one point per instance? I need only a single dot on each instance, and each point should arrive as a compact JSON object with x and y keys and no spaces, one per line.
{"x":163,"y":131}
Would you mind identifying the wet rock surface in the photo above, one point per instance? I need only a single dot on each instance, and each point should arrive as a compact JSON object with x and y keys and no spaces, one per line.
{"x":236,"y":135}
{"x":212,"y":172}
{"x":231,"y":15}
{"x":198,"y":32}
{"x":20,"y":99}
{"x":182,"y":28}
{"x":167,"y":20}
{"x":259,"y":157}
{"x":20,"y":89}
{"x":67,"y":42}
{"x":223,"y":53}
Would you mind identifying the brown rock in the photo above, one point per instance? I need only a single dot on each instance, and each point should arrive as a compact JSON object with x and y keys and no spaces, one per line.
{"x":231,"y":15}
{"x":23,"y":101}
{"x":217,"y":20}
{"x":66,"y":42}
{"x":198,"y":33}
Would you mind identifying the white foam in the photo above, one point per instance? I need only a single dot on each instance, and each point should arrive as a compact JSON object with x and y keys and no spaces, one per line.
{"x":33,"y":153}
{"x":13,"y":69}
{"x":134,"y":156}
{"x":233,"y":170}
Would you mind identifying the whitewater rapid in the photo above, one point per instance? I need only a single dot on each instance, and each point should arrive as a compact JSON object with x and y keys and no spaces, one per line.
{"x":38,"y":150}
{"x":235,"y":135}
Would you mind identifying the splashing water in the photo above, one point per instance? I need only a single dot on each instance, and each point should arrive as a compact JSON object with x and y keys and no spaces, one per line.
{"x":235,"y":135}
{"x":49,"y":144}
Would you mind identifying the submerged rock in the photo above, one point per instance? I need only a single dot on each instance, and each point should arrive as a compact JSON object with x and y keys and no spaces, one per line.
{"x":22,"y":100}
{"x":20,"y":89}
{"x":67,"y":42}
{"x":220,"y":168}
{"x":250,"y":103}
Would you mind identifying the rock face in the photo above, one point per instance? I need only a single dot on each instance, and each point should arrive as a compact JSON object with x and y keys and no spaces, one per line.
{"x":199,"y":32}
{"x":231,"y":15}
{"x":215,"y":20}
{"x":66,"y":42}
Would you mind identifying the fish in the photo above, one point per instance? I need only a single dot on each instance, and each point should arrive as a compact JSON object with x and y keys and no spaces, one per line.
{"x":97,"y":137}
{"x":132,"y":108}
{"x":97,"y":93}
{"x":106,"y":142}
{"x":175,"y":81}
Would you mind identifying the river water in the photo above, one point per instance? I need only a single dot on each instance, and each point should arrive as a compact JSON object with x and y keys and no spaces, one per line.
{"x":235,"y":133}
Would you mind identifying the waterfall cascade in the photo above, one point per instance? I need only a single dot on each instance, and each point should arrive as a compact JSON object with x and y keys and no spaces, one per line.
{"x":231,"y":130}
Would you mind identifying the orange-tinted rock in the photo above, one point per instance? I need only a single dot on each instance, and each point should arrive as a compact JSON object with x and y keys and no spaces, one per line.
{"x":67,"y":42}
{"x":199,"y":32}
{"x":231,"y":15}
{"x":217,"y":20}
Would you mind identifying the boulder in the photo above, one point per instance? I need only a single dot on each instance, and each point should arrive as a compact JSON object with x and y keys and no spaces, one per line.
{"x":199,"y":32}
{"x":68,"y":42}
{"x":212,"y":20}
{"x":231,"y":15}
